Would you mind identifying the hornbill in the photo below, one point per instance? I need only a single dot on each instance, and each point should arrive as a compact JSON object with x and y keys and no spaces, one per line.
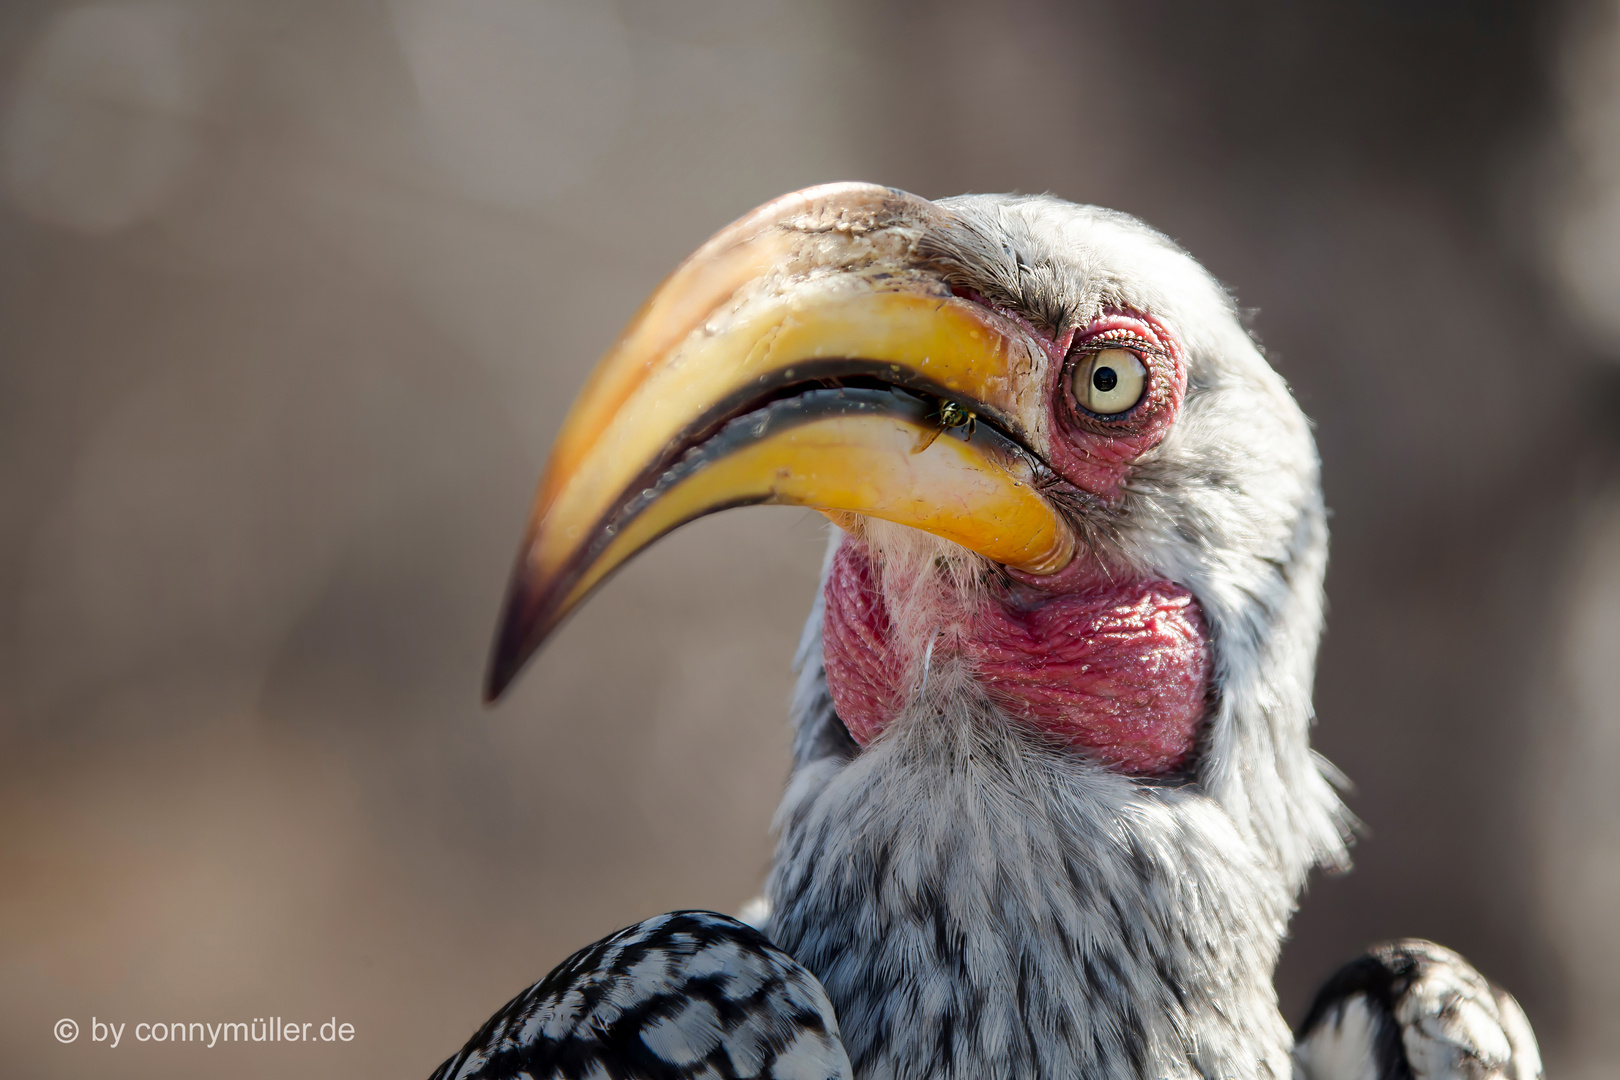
{"x":1052,"y":797}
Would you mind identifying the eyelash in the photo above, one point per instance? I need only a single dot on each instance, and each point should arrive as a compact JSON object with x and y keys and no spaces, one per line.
{"x":1118,"y":339}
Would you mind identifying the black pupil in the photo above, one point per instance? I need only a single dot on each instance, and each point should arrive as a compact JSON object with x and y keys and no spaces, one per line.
{"x":1105,"y":379}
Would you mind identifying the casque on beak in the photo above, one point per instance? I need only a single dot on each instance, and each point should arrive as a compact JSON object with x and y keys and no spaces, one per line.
{"x":807,"y":355}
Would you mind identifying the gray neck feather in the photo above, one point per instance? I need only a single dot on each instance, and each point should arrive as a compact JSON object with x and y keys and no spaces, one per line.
{"x":980,"y":905}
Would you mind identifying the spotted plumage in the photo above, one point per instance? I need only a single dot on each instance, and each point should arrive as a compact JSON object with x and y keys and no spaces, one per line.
{"x":1411,"y":1010}
{"x":688,"y":994}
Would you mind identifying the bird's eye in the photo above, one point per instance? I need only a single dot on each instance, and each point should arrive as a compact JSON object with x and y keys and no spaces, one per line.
{"x":1109,"y":382}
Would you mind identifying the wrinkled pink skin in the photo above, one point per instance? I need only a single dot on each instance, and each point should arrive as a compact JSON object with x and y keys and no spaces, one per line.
{"x":1118,"y":671}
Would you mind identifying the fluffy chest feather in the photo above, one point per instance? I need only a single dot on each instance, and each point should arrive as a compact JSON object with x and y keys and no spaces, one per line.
{"x":978,"y":904}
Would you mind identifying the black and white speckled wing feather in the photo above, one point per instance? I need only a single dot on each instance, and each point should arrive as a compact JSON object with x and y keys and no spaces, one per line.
{"x":685,"y":995}
{"x":1411,"y":1010}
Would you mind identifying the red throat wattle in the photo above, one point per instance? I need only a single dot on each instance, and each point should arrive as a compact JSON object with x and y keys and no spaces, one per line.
{"x":1119,"y":670}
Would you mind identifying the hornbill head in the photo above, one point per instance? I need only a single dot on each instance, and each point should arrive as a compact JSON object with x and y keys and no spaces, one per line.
{"x":1067,"y":481}
{"x":1053,"y":797}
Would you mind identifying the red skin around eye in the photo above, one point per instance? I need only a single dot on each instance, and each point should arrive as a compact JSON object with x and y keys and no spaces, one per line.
{"x":1093,"y":453}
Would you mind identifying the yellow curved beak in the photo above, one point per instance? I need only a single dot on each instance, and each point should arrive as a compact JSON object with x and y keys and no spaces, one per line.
{"x":807,"y":356}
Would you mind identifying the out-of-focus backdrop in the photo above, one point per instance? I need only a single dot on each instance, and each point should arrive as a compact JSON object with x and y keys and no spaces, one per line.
{"x":293,"y":294}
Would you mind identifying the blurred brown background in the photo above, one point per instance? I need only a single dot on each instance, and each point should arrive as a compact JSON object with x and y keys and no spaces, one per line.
{"x":293,"y":294}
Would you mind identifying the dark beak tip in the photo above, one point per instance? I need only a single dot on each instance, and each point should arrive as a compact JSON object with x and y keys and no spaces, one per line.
{"x":515,"y":639}
{"x":499,"y":674}
{"x":506,"y":660}
{"x":496,"y":680}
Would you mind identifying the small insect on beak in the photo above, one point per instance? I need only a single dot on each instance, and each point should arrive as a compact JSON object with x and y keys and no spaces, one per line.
{"x":806,"y":356}
{"x":954,"y":414}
